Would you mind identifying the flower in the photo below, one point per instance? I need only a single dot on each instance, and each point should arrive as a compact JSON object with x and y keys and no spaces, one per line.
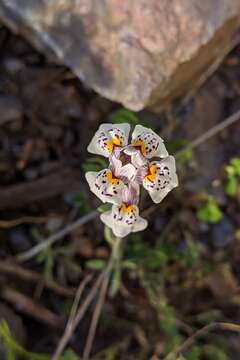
{"x":130,"y":167}
{"x":109,"y":183}
{"x":109,"y":137}
{"x":160,"y":178}
{"x":124,"y":219}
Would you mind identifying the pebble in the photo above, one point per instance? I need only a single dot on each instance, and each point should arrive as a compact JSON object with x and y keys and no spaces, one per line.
{"x":19,"y":240}
{"x":222,"y":233}
{"x":13,"y":65}
{"x":54,"y":223}
{"x":10,"y":108}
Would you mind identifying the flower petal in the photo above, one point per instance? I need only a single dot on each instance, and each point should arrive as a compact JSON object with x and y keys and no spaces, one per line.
{"x":127,"y":171}
{"x":124,"y":219}
{"x":161,"y":178}
{"x":130,"y":194}
{"x":148,"y":142}
{"x":105,"y":186}
{"x":124,"y":172}
{"x":137,"y":159}
{"x":107,"y":137}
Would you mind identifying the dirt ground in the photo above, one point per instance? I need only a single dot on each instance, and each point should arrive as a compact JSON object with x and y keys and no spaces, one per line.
{"x":179,"y":275}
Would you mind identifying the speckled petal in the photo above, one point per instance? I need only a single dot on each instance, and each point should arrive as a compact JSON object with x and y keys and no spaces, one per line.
{"x":105,"y":186}
{"x":148,"y":142}
{"x":124,"y":219}
{"x":107,"y":137}
{"x":161,"y":178}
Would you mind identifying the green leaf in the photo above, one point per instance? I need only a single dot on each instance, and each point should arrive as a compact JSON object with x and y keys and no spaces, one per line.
{"x":194,"y":353}
{"x":237,"y":234}
{"x":175,"y":145}
{"x":104,"y":207}
{"x":185,"y":156}
{"x":124,"y":115}
{"x":209,"y":211}
{"x":129,"y":265}
{"x":235,"y":163}
{"x":172,"y":344}
{"x":168,"y":322}
{"x":13,"y":348}
{"x":213,"y":352}
{"x":181,"y":357}
{"x":155,"y":259}
{"x":95,"y":163}
{"x":96,"y":264}
{"x":70,"y":355}
{"x":192,"y":252}
{"x":231,"y":185}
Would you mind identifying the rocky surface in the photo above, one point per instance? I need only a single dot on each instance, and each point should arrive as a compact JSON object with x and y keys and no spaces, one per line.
{"x":140,"y":52}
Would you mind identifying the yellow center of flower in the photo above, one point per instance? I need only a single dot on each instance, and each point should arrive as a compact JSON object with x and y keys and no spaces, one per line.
{"x":127,"y":209}
{"x":111,"y":179}
{"x":116,"y":141}
{"x":141,"y":144}
{"x":152,"y":174}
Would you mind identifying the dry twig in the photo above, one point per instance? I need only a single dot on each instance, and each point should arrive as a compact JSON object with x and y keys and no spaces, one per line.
{"x":7,"y":224}
{"x":96,"y":315}
{"x":27,"y":306}
{"x":79,"y":315}
{"x":27,"y":255}
{"x":10,"y":268}
{"x":100,"y":303}
{"x":68,"y":330}
{"x":211,"y":132}
{"x":200,"y":333}
{"x":74,"y":322}
{"x":19,"y":195}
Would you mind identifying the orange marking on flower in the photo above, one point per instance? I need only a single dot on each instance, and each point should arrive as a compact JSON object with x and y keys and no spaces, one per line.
{"x":111,"y":179}
{"x":127,"y":209}
{"x":152,"y":174}
{"x":116,"y":141}
{"x":141,"y":144}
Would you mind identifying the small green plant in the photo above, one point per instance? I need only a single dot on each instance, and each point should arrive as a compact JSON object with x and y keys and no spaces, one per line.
{"x":80,"y":201}
{"x":95,"y":163}
{"x":232,"y":177}
{"x":194,"y":353}
{"x":126,"y":116}
{"x":174,"y":146}
{"x":214,"y":352}
{"x":209,"y":210}
{"x":14,"y":350}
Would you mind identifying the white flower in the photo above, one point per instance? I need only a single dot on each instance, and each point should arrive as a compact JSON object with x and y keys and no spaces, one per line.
{"x":145,"y":145}
{"x":129,"y":168}
{"x":161,"y":178}
{"x":107,"y":137}
{"x":108,"y":184}
{"x":124,"y":219}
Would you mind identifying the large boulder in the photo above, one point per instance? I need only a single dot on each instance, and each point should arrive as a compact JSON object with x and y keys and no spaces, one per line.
{"x":137,"y":52}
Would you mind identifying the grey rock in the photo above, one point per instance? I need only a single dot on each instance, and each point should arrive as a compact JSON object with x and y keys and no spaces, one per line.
{"x":139,"y":52}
